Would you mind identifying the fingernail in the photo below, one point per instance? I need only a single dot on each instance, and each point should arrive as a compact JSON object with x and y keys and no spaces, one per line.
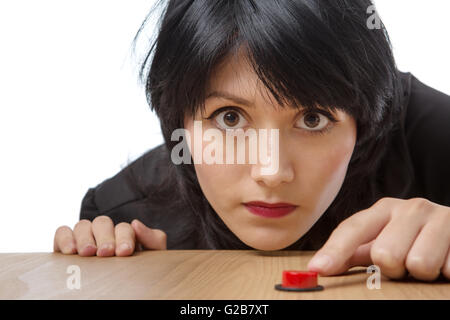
{"x":89,"y":247}
{"x":107,"y":246}
{"x":321,"y":262}
{"x":67,"y":249}
{"x":104,"y":248}
{"x":124,"y":247}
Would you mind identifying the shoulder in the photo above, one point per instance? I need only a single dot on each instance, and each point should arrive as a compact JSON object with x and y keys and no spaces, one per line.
{"x":427,"y":132}
{"x":428,"y":109}
{"x":146,"y":189}
{"x":133,"y":182}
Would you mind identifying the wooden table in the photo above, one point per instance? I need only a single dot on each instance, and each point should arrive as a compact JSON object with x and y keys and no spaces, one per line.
{"x":189,"y":274}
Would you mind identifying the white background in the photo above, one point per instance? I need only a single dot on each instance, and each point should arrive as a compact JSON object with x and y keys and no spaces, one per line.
{"x":73,"y":114}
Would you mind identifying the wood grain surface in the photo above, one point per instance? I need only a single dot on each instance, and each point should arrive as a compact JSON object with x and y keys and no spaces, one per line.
{"x":191,"y":274}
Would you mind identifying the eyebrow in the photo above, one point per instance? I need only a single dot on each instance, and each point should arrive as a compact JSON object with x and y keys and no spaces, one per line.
{"x":229,"y":96}
{"x":240,"y":100}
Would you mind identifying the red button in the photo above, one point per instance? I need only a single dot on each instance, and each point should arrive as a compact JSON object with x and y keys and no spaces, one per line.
{"x":294,"y":280}
{"x":299,"y":279}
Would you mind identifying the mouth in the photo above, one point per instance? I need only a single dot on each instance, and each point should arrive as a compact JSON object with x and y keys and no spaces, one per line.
{"x":270,"y":210}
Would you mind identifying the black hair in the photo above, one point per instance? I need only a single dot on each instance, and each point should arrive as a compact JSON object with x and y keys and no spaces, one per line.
{"x":307,"y":53}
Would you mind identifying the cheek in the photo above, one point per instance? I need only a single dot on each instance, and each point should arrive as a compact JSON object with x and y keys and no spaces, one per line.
{"x":335,"y":161}
{"x":324,"y":172}
{"x":218,"y":182}
{"x":336,"y":153}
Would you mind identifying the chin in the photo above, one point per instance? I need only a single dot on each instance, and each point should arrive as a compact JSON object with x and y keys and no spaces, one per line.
{"x":268,"y":245}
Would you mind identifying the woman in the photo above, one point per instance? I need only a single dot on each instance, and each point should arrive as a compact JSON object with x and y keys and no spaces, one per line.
{"x":363,"y":148}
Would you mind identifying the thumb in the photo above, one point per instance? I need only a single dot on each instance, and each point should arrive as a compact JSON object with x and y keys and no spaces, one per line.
{"x":151,"y":239}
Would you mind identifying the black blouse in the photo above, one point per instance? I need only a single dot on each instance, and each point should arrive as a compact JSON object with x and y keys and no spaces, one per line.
{"x":416,"y":164}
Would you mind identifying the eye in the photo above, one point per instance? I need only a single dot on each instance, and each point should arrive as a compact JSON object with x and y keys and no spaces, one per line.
{"x":313,"y":121}
{"x":229,"y":118}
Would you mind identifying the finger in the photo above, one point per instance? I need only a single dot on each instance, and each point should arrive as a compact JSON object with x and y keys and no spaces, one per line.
{"x":125,"y":239}
{"x":64,"y":241}
{"x":103,"y":230}
{"x":392,"y":245}
{"x":84,"y":238}
{"x":361,"y":257}
{"x":152,"y":239}
{"x":446,"y":267}
{"x":429,"y":251}
{"x":334,"y":257}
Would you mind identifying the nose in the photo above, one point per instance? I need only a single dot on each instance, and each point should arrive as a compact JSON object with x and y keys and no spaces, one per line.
{"x":279,"y":160}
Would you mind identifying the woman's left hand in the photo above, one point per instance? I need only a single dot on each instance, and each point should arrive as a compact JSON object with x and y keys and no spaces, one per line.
{"x":397,"y":235}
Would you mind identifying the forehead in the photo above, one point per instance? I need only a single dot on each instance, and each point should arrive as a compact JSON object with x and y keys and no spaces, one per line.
{"x":235,"y":77}
{"x":234,"y":72}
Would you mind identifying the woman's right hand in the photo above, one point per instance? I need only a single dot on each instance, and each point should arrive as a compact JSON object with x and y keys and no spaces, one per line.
{"x":100,"y":237}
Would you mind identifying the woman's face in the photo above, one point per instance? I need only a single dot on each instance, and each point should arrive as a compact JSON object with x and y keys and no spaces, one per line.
{"x":311,"y":165}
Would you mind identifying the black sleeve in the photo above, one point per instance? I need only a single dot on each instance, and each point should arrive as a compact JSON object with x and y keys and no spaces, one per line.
{"x":131,"y":184}
{"x":428,"y":136}
{"x":135,"y":193}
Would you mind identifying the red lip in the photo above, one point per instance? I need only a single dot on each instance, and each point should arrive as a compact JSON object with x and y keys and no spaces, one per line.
{"x":270,"y":210}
